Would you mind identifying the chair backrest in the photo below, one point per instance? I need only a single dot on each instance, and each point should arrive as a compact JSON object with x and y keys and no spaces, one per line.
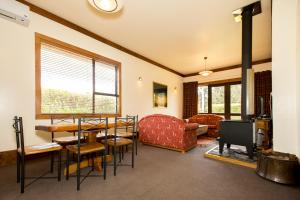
{"x":127,"y":123}
{"x":91,"y":125}
{"x":62,"y":120}
{"x":18,"y":126}
{"x":136,"y":121}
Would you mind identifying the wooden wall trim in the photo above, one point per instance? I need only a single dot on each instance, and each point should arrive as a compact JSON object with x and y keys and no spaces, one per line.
{"x":232,"y":67}
{"x":8,"y":158}
{"x":233,"y":80}
{"x":84,"y":31}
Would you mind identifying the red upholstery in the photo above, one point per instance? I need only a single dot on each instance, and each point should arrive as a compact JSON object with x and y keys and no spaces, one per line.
{"x":213,"y":122}
{"x":167,"y":131}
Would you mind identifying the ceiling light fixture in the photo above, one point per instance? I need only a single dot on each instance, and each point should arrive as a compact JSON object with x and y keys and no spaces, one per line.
{"x":205,"y":72}
{"x":109,"y":6}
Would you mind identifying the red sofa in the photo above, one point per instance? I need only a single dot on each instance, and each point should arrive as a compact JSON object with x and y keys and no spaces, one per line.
{"x":167,"y":132}
{"x":213,"y":122}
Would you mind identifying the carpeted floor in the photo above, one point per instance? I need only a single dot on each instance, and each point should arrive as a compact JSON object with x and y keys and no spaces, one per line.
{"x":159,"y":174}
{"x":204,"y":141}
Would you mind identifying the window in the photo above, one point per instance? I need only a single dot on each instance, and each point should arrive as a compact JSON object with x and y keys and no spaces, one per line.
{"x":221,"y":98}
{"x":73,"y":81}
{"x":203,"y":99}
{"x":235,"y":98}
{"x":218,"y":99}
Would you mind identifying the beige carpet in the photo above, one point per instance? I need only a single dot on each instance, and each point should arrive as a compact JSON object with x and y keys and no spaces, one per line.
{"x":204,"y":141}
{"x":160,"y":174}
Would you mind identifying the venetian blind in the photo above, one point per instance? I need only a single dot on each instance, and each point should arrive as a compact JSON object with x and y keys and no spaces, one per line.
{"x":66,"y":81}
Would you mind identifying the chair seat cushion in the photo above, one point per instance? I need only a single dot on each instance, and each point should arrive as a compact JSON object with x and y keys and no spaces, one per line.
{"x":119,"y":141}
{"x":102,"y":135}
{"x":86,"y":148}
{"x":124,"y":134}
{"x":41,"y":148}
{"x":64,"y":140}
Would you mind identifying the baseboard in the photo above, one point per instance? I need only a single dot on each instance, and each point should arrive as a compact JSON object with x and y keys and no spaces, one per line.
{"x":8,"y":158}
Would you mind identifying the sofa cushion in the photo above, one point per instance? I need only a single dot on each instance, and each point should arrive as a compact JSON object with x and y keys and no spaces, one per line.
{"x":198,"y":119}
{"x":191,"y":126}
{"x":212,"y":126}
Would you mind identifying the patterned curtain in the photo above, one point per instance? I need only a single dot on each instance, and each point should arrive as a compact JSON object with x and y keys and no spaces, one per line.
{"x":190,"y":99}
{"x":263,"y":88}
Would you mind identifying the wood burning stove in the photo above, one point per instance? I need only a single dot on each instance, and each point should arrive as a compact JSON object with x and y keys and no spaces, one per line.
{"x":241,"y":132}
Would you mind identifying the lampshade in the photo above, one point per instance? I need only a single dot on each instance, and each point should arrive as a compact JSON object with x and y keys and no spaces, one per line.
{"x":205,"y":72}
{"x":107,"y":5}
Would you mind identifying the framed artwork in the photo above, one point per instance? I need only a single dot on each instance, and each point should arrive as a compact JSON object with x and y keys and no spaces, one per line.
{"x":160,"y":95}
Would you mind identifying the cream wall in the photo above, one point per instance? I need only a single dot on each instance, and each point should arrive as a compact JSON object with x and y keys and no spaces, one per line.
{"x":228,"y":74}
{"x":285,"y":72}
{"x":17,"y":86}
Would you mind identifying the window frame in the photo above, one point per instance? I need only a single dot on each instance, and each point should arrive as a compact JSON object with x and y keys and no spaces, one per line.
{"x":227,"y":100}
{"x":207,"y":98}
{"x":42,"y":39}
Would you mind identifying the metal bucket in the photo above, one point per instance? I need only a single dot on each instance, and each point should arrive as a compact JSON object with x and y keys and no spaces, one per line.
{"x":278,"y":167}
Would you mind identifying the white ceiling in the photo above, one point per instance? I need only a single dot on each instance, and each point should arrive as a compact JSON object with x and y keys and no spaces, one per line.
{"x":175,"y":33}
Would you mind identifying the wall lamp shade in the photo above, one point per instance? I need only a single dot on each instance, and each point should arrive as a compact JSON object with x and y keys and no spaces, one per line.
{"x":109,"y":6}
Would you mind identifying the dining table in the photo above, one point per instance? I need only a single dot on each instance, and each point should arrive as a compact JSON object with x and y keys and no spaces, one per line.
{"x":90,"y":138}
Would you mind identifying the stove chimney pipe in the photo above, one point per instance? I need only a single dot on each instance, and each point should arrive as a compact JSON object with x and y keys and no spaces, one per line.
{"x":246,"y":14}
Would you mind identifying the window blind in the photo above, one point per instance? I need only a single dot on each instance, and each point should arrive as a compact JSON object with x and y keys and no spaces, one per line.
{"x":67,"y":83}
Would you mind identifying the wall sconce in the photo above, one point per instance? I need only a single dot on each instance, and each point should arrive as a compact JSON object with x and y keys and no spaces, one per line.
{"x":175,"y":89}
{"x":140,"y":79}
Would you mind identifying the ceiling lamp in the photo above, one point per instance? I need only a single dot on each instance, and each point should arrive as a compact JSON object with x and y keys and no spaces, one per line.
{"x":109,"y":6}
{"x":205,"y":72}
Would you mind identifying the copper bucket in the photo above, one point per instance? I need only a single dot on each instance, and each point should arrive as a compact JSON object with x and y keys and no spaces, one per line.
{"x":278,"y":167}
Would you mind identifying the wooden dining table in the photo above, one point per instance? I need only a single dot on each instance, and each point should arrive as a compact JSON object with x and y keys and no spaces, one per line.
{"x":91,"y":138}
{"x":71,"y":127}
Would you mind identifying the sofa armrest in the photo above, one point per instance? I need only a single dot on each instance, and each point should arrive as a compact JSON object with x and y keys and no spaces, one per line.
{"x":191,"y":126}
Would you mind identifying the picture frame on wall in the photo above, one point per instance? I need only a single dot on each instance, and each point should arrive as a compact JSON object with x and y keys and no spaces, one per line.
{"x":160,"y":95}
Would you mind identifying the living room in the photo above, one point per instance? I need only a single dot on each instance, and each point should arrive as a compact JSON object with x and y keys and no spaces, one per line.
{"x":134,"y":65}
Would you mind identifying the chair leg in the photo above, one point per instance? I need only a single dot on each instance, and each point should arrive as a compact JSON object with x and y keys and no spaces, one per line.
{"x":67,"y":165}
{"x":51,"y":162}
{"x":104,"y":166}
{"x":59,"y":166}
{"x":120,"y":153}
{"x":115,"y":161}
{"x":18,"y":168}
{"x":93,"y":161}
{"x":78,"y":172}
{"x":132,"y":156}
{"x":22,"y":173}
{"x":136,"y":145}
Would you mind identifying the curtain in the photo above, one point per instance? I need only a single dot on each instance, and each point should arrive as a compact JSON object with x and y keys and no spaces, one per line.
{"x":190,"y":99}
{"x":263,"y":88}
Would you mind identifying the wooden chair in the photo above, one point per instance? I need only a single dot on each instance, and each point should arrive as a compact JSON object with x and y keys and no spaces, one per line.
{"x":115,"y":142}
{"x":90,"y":147}
{"x":23,"y":151}
{"x":128,"y":133}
